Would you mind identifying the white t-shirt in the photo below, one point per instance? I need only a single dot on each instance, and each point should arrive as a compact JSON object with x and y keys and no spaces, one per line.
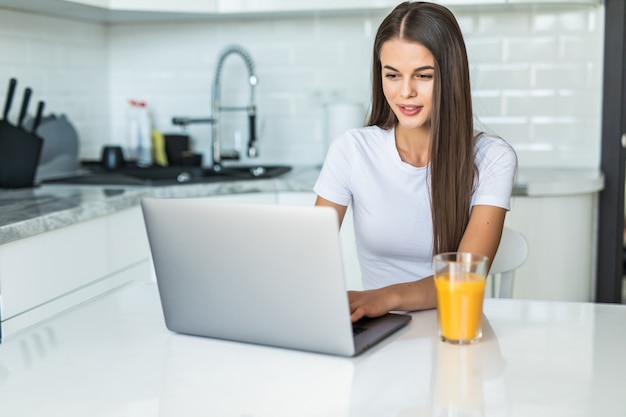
{"x":391,"y":203}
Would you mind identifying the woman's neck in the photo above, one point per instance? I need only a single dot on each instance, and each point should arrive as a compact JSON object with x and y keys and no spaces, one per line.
{"x":413,"y":145}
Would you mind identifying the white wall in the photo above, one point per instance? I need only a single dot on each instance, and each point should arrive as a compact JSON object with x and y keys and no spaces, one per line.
{"x":536,"y":76}
{"x":65,"y":63}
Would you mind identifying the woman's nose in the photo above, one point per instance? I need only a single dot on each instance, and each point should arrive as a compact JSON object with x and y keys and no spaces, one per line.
{"x":408,"y":89}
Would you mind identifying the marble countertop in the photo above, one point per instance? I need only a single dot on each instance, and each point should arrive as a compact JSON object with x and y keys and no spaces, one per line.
{"x":28,"y":212}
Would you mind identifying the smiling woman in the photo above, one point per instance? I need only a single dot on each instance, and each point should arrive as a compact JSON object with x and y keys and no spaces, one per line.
{"x":408,"y":89}
{"x":420,"y":180}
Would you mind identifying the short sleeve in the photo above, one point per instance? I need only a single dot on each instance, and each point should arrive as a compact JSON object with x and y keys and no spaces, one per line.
{"x":497,"y":168}
{"x":333,"y":183}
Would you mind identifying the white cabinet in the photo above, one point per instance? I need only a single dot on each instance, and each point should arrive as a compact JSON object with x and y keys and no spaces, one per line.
{"x":561,"y":245}
{"x":259,"y":6}
{"x":179,"y":6}
{"x":93,"y":3}
{"x":281,"y":6}
{"x":45,"y":274}
{"x":140,"y":10}
{"x":552,"y":2}
{"x":106,"y":11}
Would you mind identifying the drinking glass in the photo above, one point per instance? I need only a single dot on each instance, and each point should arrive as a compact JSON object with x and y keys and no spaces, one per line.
{"x":460,"y":279}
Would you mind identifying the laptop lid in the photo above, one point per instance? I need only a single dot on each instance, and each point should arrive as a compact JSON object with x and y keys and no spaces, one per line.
{"x":264,"y":274}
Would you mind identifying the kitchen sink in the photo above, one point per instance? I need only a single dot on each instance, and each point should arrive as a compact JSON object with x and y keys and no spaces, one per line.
{"x":93,"y":174}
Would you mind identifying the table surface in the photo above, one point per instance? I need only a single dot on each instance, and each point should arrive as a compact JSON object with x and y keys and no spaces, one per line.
{"x":113,"y":356}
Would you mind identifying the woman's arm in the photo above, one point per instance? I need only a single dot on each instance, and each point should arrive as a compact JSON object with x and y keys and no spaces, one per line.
{"x":341,"y":210}
{"x":482,"y":236}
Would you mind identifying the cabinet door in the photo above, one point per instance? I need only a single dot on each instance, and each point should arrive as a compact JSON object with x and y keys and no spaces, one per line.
{"x":561,"y":240}
{"x":50,"y":272}
{"x":252,"y":6}
{"x":94,"y":3}
{"x":552,"y":2}
{"x":179,"y":6}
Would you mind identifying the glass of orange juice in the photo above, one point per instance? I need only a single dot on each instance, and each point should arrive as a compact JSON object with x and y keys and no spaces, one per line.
{"x":460,"y":279}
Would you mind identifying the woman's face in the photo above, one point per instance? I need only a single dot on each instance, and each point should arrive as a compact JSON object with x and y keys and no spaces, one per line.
{"x":408,"y":70}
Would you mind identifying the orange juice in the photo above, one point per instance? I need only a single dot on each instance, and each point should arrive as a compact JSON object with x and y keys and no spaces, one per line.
{"x":460,"y":305}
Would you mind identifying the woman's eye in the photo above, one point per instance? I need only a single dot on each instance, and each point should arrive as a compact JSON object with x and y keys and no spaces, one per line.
{"x":391,"y":76}
{"x":425,"y":76}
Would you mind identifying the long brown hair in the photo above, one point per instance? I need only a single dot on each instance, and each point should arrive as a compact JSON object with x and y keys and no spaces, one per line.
{"x":452,"y":140}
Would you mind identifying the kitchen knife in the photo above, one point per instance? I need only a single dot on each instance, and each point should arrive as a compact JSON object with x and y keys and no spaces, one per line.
{"x":38,"y":115}
{"x":9,"y":98}
{"x":25,"y":100}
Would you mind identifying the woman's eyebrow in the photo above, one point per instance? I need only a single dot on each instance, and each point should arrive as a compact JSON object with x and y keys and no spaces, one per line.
{"x":422,"y":68}
{"x":389,"y":67}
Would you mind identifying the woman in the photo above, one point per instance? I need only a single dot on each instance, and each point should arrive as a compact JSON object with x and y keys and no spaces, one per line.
{"x":420,"y":179}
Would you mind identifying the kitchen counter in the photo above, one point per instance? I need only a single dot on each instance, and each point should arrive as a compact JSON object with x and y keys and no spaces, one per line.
{"x":114,"y":357}
{"x":28,"y":212}
{"x":545,"y":182}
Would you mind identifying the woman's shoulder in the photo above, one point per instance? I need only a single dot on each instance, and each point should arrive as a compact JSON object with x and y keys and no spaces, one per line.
{"x":366,"y":133}
{"x":490,"y":142}
{"x":490,"y":147}
{"x":360,"y":137}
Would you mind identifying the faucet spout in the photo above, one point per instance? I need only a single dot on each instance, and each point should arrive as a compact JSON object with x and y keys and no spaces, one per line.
{"x":218,"y":154}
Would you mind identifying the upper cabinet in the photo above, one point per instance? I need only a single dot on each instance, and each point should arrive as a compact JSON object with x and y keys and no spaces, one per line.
{"x":138,"y":10}
{"x":115,"y":10}
{"x":555,"y":2}
{"x":181,"y":6}
{"x":281,"y":6}
{"x":269,"y":6}
{"x":93,"y":3}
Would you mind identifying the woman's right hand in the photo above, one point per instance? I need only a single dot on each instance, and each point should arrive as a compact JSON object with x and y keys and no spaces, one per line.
{"x":370,"y":303}
{"x":409,"y":296}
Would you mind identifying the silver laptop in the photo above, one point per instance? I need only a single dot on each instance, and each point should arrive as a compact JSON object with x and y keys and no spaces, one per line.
{"x":263,"y":274}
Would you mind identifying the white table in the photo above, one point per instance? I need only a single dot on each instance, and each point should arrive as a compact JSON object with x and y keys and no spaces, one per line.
{"x":113,"y":357}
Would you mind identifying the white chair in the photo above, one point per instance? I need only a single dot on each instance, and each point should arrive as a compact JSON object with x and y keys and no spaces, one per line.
{"x":511,"y":254}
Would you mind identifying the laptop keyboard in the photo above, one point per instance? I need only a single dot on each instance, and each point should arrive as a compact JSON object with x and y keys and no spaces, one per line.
{"x":358,"y":328}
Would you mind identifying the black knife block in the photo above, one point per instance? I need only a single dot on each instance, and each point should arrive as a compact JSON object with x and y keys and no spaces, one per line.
{"x":19,"y":156}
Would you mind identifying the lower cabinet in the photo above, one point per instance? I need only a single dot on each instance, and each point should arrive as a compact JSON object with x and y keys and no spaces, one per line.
{"x":45,"y":274}
{"x":561,"y":236}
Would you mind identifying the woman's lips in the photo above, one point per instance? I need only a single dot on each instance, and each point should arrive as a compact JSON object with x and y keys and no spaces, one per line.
{"x":409,"y":110}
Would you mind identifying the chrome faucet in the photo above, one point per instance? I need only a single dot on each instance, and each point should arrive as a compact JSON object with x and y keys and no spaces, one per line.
{"x":218,"y":153}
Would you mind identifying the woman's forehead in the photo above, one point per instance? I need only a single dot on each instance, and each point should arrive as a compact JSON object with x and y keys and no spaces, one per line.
{"x":405,"y":53}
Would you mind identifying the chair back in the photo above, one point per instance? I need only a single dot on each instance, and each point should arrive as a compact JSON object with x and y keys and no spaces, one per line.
{"x":511,"y":254}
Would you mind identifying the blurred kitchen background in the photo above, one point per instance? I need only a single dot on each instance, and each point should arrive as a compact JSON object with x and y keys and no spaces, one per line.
{"x":536,"y":72}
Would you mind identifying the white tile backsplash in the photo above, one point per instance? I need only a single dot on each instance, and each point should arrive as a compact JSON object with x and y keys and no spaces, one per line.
{"x":65,"y":63}
{"x":536,"y":76}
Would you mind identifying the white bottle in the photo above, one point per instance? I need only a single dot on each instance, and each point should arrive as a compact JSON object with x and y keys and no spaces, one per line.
{"x":139,"y":133}
{"x":132,"y":131}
